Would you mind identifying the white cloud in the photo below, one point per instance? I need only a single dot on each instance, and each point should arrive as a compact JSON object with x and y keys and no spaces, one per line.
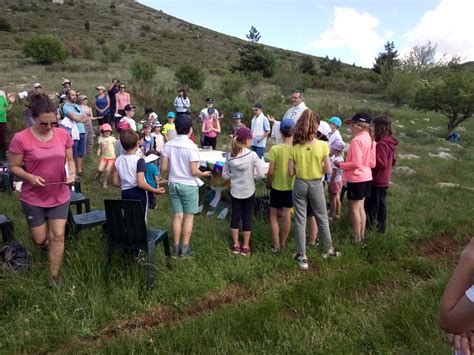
{"x":449,"y":26}
{"x":354,"y":31}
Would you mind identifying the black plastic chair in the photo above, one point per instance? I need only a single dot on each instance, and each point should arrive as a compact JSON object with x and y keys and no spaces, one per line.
{"x":78,"y":222}
{"x":6,"y":181}
{"x":6,"y":225}
{"x":78,"y":198}
{"x":126,"y":230}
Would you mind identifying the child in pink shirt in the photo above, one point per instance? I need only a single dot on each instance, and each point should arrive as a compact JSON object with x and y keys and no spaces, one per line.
{"x":357,"y":171}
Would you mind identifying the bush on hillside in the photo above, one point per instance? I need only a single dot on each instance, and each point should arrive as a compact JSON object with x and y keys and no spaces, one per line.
{"x":255,"y":58}
{"x":5,"y":25}
{"x":190,"y":76}
{"x":112,"y":54}
{"x":231,"y":85}
{"x":89,"y":50}
{"x":143,"y":70}
{"x":45,"y":49}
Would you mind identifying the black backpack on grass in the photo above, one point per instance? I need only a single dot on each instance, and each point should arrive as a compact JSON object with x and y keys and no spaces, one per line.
{"x":14,"y":256}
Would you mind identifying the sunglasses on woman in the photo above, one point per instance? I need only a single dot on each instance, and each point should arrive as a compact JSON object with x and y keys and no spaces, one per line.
{"x":46,"y":124}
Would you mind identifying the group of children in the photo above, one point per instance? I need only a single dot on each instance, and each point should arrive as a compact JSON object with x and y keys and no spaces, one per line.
{"x":299,"y":168}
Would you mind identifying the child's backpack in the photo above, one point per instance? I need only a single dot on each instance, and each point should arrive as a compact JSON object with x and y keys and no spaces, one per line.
{"x":15,"y":256}
{"x":454,"y":137}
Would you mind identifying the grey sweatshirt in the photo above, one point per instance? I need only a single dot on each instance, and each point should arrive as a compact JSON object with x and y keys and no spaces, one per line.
{"x":242,"y":170}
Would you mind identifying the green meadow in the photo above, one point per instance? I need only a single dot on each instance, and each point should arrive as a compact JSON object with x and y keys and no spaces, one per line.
{"x":381,"y":297}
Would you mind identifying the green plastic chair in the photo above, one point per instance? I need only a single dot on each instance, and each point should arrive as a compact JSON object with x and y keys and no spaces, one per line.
{"x":78,"y":222}
{"x":126,"y":230}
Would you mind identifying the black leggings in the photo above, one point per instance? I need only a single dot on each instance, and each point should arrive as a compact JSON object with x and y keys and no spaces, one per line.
{"x":242,"y":209}
{"x":209,"y":142}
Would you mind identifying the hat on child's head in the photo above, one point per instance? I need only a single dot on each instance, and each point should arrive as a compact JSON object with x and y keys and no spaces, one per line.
{"x":257,"y":106}
{"x":210,"y":100}
{"x":335,"y":121}
{"x":237,"y":116}
{"x":361,"y":117}
{"x":106,"y":128}
{"x":287,"y":124}
{"x":151,"y":158}
{"x":243,"y":134}
{"x":157,"y":124}
{"x":129,"y":107}
{"x":36,"y":85}
{"x":324,"y":128}
{"x":338,"y":145}
{"x":171,"y":114}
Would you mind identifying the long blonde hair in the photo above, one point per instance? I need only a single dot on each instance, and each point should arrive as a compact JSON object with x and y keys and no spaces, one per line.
{"x":366,"y":127}
{"x":237,"y":146}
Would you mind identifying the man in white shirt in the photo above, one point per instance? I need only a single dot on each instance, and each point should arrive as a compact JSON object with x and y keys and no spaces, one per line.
{"x":260,"y":130}
{"x":294,"y":113}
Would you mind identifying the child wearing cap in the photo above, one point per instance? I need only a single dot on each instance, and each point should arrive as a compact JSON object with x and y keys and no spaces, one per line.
{"x":181,"y":158}
{"x":334,"y":123}
{"x":210,"y":128}
{"x":169,"y":129}
{"x":335,"y":181}
{"x":148,"y":141}
{"x":240,"y":167}
{"x":158,"y":139}
{"x":106,"y":152}
{"x":130,"y":171}
{"x":357,"y":172}
{"x":281,"y":185}
{"x":152,"y":175}
{"x":309,"y":161}
{"x":237,"y":123}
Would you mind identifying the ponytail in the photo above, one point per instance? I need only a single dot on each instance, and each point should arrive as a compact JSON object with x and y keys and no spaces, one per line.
{"x":235,"y":147}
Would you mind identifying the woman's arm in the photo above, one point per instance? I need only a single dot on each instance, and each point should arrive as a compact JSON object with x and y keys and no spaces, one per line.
{"x":16,"y":167}
{"x":71,"y":167}
{"x":456,"y":313}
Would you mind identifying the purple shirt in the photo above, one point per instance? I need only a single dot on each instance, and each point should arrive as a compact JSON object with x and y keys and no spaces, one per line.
{"x":45,"y":159}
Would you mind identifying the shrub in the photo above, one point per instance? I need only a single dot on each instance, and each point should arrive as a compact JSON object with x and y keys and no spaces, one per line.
{"x":74,"y":48}
{"x":88,"y":49}
{"x":143,"y":70}
{"x":146,"y":28}
{"x":87,"y":26}
{"x":190,"y":76}
{"x":122,"y":46}
{"x":231,"y":85}
{"x":255,"y":58}
{"x":45,"y":49}
{"x":116,"y":23}
{"x":101,"y":41}
{"x":112,"y":54}
{"x":5,"y":25}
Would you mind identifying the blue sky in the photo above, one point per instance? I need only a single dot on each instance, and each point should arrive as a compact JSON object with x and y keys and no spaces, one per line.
{"x":352,"y":30}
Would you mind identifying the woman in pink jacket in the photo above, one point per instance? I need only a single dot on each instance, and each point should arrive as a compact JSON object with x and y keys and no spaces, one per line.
{"x":357,"y":171}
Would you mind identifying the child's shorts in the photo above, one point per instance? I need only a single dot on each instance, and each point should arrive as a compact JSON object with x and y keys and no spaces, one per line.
{"x":335,"y":187}
{"x":106,"y":161}
{"x":358,"y":190}
{"x":184,"y":198}
{"x":281,"y":199}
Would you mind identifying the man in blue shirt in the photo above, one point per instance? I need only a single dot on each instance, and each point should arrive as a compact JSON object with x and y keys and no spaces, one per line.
{"x":74,"y":112}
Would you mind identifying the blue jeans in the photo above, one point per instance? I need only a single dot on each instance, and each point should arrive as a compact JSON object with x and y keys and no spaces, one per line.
{"x":259,"y":150}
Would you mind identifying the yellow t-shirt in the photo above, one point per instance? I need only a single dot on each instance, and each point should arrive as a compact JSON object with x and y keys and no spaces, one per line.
{"x":280,"y":154}
{"x":308,"y":159}
{"x":107,"y":147}
{"x":168,"y":127}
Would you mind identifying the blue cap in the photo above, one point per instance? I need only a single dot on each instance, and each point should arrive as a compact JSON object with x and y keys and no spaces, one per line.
{"x":171,"y":114}
{"x":336,"y":121}
{"x":287,"y":123}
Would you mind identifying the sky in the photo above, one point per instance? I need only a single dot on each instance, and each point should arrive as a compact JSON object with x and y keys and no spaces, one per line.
{"x":353,"y":31}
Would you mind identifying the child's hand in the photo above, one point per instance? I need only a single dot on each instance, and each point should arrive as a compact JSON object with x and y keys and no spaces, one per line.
{"x":160,"y":190}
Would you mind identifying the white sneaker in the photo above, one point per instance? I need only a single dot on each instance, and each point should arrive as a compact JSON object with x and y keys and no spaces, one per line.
{"x":331,"y":254}
{"x":301,"y":261}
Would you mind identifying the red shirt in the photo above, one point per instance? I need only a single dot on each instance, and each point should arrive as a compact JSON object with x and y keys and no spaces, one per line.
{"x":45,"y":159}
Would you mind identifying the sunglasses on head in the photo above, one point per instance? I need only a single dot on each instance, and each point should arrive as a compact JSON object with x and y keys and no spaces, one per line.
{"x":46,"y":124}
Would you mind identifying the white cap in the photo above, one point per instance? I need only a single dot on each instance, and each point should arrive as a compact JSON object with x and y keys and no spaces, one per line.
{"x":324,"y":128}
{"x":150,"y":158}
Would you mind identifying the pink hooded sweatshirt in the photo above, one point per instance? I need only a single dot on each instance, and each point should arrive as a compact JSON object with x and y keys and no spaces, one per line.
{"x":360,"y":159}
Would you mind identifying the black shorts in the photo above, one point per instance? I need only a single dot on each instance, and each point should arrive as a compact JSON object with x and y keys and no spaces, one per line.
{"x":358,"y":190}
{"x":280,"y":199}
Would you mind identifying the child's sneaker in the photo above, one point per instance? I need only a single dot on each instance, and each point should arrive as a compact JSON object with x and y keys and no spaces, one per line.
{"x":301,"y":261}
{"x":235,"y":249}
{"x":244,"y":251}
{"x":331,"y":254}
{"x":186,"y":255}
